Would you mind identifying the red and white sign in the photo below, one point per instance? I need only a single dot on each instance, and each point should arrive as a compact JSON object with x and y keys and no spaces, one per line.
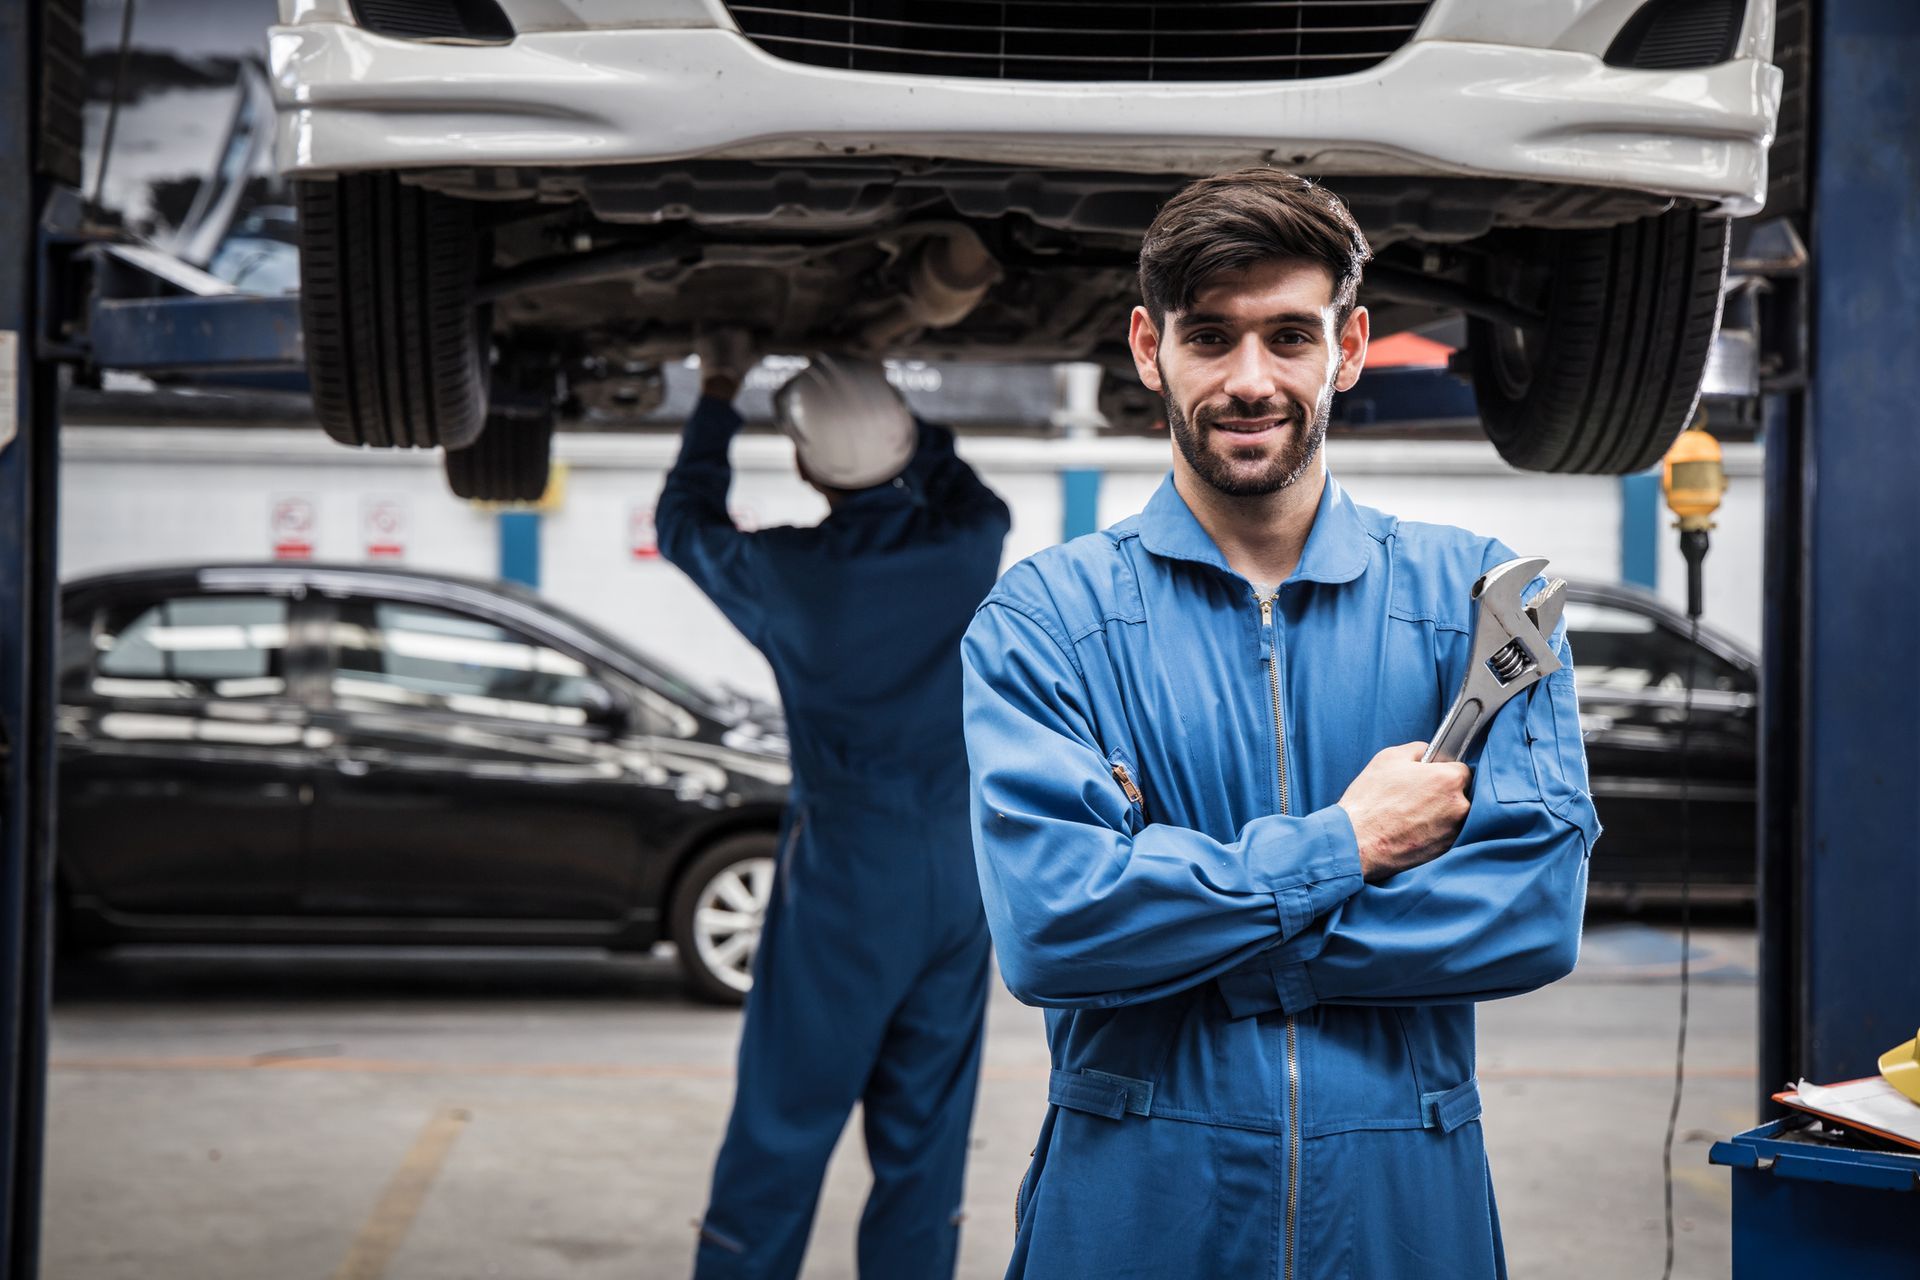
{"x":291,"y":523}
{"x":383,"y":526}
{"x":642,"y":544}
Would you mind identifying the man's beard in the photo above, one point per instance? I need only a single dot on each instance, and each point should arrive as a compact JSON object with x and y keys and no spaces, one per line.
{"x":1281,"y":469}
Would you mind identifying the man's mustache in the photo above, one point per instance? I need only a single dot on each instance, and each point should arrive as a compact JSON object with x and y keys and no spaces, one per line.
{"x":1209,"y":414}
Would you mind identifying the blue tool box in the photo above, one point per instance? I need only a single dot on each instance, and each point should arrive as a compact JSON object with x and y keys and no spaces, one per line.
{"x":1806,"y":1206}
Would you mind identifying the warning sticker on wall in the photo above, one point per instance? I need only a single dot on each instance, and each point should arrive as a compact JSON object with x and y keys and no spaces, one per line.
{"x":383,"y":528}
{"x":642,"y":544}
{"x":292,"y":525}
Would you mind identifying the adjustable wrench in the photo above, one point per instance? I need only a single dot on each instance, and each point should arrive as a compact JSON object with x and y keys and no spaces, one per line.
{"x":1510,"y":653}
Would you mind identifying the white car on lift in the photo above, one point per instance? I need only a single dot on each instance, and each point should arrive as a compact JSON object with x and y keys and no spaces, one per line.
{"x":518,"y":204}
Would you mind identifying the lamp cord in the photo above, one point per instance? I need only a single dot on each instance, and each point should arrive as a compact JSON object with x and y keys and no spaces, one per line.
{"x":1686,"y":931}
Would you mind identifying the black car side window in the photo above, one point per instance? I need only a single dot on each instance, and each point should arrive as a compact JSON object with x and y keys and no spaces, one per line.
{"x":1619,"y":650}
{"x":212,"y":646}
{"x":398,"y":654}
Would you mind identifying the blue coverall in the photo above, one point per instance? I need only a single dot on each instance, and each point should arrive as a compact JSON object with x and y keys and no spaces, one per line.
{"x":1262,"y":1066}
{"x":870,"y":982}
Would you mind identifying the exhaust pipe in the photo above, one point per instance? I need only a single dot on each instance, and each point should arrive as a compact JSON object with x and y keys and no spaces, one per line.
{"x":948,"y":278}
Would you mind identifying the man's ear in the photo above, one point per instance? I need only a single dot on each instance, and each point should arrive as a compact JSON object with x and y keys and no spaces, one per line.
{"x":1353,"y":349}
{"x":1144,"y":339}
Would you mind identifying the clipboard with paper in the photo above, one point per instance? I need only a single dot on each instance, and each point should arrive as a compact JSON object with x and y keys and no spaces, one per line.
{"x":1870,"y":1105}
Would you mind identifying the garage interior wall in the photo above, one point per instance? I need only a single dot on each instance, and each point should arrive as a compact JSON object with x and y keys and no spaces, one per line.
{"x":148,"y":495}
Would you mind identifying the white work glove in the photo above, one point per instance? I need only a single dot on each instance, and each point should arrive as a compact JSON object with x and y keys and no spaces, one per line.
{"x":725,"y":353}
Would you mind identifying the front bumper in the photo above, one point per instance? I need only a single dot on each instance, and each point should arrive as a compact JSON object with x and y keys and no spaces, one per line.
{"x":349,"y":100}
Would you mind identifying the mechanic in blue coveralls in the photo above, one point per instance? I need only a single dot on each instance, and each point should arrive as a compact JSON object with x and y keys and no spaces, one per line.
{"x":870,"y":981}
{"x":1207,"y":845}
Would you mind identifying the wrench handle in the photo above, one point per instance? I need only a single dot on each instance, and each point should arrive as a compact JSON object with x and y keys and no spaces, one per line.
{"x":1456,"y":733}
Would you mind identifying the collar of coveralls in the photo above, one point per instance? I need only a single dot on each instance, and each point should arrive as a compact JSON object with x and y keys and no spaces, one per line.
{"x":1339,"y":546}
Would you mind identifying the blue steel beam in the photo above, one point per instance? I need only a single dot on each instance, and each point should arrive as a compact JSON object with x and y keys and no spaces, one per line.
{"x":1640,"y":529}
{"x":28,"y":591}
{"x":229,"y":333}
{"x":1079,"y":503}
{"x":1857,"y":985}
{"x":520,"y":547}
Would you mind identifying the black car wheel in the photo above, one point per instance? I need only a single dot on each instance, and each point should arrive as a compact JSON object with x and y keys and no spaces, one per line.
{"x":509,"y":462}
{"x":1611,"y":374}
{"x":719,"y":912}
{"x":397,"y":349}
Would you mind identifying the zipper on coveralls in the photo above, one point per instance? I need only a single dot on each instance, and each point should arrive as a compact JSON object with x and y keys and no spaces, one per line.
{"x":1293,"y":1060}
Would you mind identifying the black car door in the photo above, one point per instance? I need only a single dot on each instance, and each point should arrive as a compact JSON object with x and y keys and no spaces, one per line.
{"x":1633,"y":671}
{"x":473,"y":775}
{"x":186,"y":753}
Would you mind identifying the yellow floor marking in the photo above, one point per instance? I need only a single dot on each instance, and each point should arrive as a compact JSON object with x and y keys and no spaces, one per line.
{"x":698,"y":1071}
{"x":381,"y":1235}
{"x":1715,"y":1184}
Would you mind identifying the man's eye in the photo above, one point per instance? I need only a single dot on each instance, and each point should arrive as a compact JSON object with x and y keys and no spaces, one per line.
{"x":1291,"y":338}
{"x":1206,"y":339}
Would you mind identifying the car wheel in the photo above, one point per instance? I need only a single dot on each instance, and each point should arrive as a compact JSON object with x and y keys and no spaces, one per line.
{"x":397,"y":349}
{"x":1611,"y":373}
{"x":508,"y":462}
{"x":718,"y":915}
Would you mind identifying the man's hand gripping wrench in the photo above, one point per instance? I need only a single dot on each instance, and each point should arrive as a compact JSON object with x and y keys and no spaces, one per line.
{"x":1510,"y":652}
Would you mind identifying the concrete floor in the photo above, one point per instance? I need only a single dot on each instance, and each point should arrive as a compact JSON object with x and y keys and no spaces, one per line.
{"x":452,"y":1116}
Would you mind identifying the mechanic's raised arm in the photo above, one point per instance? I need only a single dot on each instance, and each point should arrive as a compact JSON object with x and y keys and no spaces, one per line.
{"x":691,"y":523}
{"x":1496,"y":915}
{"x":951,"y":486}
{"x":1089,"y":906}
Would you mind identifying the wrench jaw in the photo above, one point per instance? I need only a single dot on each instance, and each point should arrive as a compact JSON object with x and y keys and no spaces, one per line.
{"x":1510,"y":651}
{"x":1545,"y":609}
{"x":1530,"y":649}
{"x":1501,"y":618}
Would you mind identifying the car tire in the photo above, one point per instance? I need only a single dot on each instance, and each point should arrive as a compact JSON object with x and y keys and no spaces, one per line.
{"x":508,"y":462}
{"x":397,"y":347}
{"x":732,"y":878}
{"x":1612,"y":373}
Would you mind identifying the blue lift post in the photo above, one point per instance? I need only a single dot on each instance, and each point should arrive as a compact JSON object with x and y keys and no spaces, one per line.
{"x":1840,"y":788}
{"x":39,"y":143}
{"x":1841,"y":827}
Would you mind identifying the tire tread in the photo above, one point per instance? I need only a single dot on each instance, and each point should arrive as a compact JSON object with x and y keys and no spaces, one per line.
{"x":1631,"y":320}
{"x":396,"y":346}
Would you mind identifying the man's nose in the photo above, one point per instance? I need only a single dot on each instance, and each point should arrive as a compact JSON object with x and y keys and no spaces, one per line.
{"x":1250,"y":371}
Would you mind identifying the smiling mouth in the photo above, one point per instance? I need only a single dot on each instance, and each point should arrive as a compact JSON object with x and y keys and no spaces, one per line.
{"x":1249,"y":427}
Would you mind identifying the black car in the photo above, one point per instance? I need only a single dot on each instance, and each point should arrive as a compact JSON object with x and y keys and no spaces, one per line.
{"x":303,"y":753}
{"x":1633,"y":663}
{"x":306,"y":754}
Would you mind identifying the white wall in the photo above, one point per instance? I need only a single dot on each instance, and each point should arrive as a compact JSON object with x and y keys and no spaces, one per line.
{"x":139,"y":496}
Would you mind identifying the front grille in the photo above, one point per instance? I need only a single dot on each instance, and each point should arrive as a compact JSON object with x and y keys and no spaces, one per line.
{"x":1675,"y":35}
{"x":463,"y":21}
{"x":1086,"y":39}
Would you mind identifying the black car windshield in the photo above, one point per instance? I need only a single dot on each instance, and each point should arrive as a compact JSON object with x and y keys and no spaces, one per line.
{"x":697,"y":694}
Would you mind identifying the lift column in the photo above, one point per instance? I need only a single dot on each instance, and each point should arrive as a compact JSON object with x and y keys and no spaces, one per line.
{"x":1840,"y":867}
{"x":41,"y":84}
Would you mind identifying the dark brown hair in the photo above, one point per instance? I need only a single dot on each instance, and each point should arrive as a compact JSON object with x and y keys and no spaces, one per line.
{"x":1233,"y":221}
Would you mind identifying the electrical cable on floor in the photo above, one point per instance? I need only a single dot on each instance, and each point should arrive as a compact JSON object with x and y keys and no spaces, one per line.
{"x":1694,"y":480}
{"x":1686,"y":932}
